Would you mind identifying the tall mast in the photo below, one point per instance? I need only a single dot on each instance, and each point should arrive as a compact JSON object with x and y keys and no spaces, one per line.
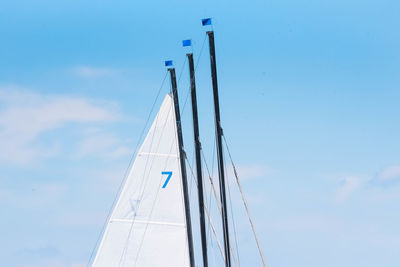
{"x":197,"y":146}
{"x":218,"y":133}
{"x":182,"y":158}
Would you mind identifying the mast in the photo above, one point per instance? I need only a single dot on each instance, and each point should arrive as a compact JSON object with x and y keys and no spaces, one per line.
{"x":182,"y":158}
{"x":218,"y":133}
{"x":197,"y":145}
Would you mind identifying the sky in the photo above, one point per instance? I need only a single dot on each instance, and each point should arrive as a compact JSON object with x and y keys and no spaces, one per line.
{"x":309,"y":95}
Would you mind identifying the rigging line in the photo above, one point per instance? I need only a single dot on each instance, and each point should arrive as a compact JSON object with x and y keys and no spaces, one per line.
{"x":143,"y":188}
{"x":215,"y":233}
{"x":209,"y":207}
{"x":245,"y":204}
{"x":179,"y":80}
{"x":209,"y":176}
{"x":181,"y":72}
{"x":209,"y":219}
{"x":213,"y":188}
{"x":191,"y":180}
{"x":212,"y":225}
{"x":218,"y":204}
{"x":190,"y":192}
{"x":201,"y":51}
{"x":212,"y":170}
{"x":126,"y":171}
{"x":214,"y":155}
{"x":213,"y":253}
{"x":195,"y":68}
{"x":232,"y":216}
{"x":220,"y":212}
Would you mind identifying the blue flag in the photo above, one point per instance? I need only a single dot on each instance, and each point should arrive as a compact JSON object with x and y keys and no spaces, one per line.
{"x":168,"y":63}
{"x":187,"y":42}
{"x":206,"y":21}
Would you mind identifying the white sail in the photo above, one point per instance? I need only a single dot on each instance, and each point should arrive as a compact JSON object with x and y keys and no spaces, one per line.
{"x":147,"y":226}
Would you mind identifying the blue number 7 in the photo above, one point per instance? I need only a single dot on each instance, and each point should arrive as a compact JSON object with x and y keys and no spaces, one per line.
{"x":169,"y":177}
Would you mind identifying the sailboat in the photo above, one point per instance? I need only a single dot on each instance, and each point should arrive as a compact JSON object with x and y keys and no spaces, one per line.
{"x":150,"y":225}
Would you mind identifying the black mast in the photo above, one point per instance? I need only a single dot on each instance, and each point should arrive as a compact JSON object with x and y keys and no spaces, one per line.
{"x":182,"y":158}
{"x":218,"y":133}
{"x":197,"y":146}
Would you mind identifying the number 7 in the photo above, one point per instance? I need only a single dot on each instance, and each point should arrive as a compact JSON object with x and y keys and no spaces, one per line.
{"x":167,"y":180}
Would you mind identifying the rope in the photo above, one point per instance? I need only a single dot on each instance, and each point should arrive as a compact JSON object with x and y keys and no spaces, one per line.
{"x":246,"y":205}
{"x":232,"y":216}
{"x":211,"y":182}
{"x":195,"y":68}
{"x":209,"y":217}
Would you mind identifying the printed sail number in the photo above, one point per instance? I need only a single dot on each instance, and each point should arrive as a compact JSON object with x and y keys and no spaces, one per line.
{"x":168,"y":178}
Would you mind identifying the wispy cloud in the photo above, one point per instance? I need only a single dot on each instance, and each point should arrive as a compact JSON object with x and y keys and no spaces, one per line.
{"x":385,"y":179}
{"x":388,"y":175}
{"x":348,"y":185}
{"x":90,"y":71}
{"x":24,"y":116}
{"x":97,"y":142}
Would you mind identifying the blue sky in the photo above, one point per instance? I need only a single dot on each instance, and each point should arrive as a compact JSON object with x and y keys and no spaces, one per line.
{"x":309,"y":96}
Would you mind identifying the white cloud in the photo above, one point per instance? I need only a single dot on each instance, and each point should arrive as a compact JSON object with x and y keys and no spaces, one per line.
{"x":348,"y":185}
{"x":25,"y":115}
{"x":120,"y":152}
{"x":91,"y":72}
{"x":389,"y":174}
{"x":105,"y":145}
{"x":97,"y":143}
{"x":107,"y":179}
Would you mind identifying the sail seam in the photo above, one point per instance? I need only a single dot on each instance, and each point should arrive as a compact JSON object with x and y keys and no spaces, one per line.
{"x":147,"y":222}
{"x":157,"y":154}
